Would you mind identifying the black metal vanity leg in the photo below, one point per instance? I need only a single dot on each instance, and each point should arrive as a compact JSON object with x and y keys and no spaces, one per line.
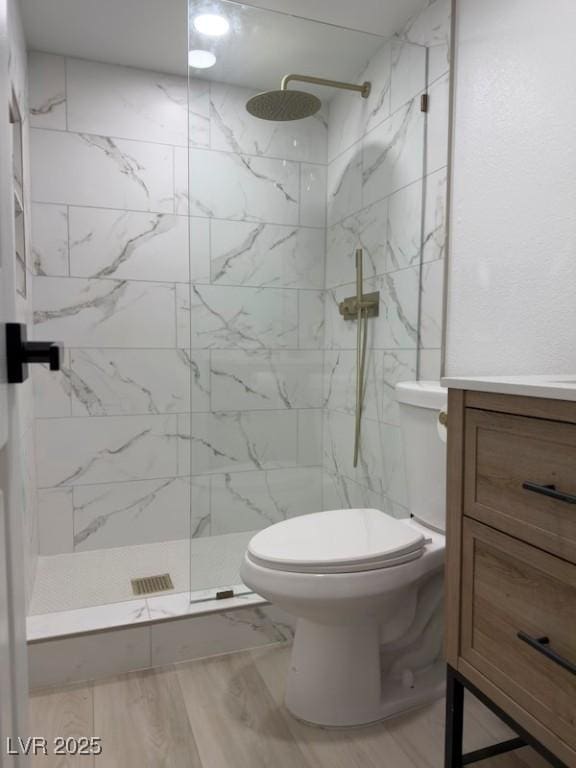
{"x":454,"y":721}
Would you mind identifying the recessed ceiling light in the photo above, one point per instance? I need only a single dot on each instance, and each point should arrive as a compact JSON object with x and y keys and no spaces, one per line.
{"x":201,"y":59}
{"x":211,"y":24}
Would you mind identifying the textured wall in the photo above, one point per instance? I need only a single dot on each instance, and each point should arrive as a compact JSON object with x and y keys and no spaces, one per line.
{"x":511,"y":306}
{"x":190,"y":373}
{"x":386,"y":194}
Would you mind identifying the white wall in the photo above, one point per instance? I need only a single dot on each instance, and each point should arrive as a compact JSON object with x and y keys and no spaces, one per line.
{"x":512,"y":266}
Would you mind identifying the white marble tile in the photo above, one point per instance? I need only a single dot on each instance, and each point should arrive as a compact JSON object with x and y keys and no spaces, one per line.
{"x":237,"y":441}
{"x":430,"y":364}
{"x":256,"y":254}
{"x":52,"y":389}
{"x":181,"y":182}
{"x":55,"y":521}
{"x":397,"y":365}
{"x":344,"y":184}
{"x":432,"y":296}
{"x":201,"y":602}
{"x":49,"y":239}
{"x":430,"y":26}
{"x":129,"y":103}
{"x":437,"y":133}
{"x":198,"y":113}
{"x":339,"y":492}
{"x":104,"y":313}
{"x":435,"y":216}
{"x":384,"y":369}
{"x":397,"y":325}
{"x":122,"y":514}
{"x":82,"y":620}
{"x":367,"y":230}
{"x":80,"y":451}
{"x":198,"y":243}
{"x":310,"y":437}
{"x":266,"y":379}
{"x":47,"y":90}
{"x":128,"y":245}
{"x":110,"y":382}
{"x":226,"y":317}
{"x":311,"y":319}
{"x":74,"y":659}
{"x":82,"y":169}
{"x":350,"y":115}
{"x":408,"y":73}
{"x":381,"y":460}
{"x":241,"y":187}
{"x":313,"y":180}
{"x":404,"y":235}
{"x":233,"y":129}
{"x":215,"y":634}
{"x":393,"y":153}
{"x":249,"y":501}
{"x":438,"y":61}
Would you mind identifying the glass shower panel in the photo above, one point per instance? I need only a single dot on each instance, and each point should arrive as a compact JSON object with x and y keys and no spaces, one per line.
{"x":276,"y":211}
{"x":110,"y":255}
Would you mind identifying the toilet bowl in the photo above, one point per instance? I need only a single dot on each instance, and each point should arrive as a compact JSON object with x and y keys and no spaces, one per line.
{"x":366,"y":590}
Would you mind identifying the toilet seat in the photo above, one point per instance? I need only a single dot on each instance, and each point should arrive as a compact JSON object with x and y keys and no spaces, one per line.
{"x":337,"y":541}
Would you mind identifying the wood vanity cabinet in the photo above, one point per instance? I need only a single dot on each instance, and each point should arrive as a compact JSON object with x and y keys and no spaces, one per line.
{"x":511,"y":558}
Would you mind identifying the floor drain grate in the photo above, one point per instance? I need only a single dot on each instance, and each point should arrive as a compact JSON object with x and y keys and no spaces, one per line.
{"x":148,"y":584}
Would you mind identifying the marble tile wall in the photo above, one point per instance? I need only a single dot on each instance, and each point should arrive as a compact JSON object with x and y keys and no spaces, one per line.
{"x":187,"y":284}
{"x":386,"y":193}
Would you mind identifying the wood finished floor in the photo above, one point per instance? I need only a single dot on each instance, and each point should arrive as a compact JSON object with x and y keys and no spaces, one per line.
{"x":227,"y":712}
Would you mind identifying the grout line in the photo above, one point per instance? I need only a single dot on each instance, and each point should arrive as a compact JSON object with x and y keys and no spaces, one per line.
{"x":192,"y":148}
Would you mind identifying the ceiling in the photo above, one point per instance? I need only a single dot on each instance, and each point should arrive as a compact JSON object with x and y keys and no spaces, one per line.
{"x":262,"y":45}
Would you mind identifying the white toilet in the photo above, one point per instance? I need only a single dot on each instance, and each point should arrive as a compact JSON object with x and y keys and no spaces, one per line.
{"x":366,"y":588}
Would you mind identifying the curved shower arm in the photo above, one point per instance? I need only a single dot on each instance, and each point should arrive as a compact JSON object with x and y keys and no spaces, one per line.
{"x":363,"y":89}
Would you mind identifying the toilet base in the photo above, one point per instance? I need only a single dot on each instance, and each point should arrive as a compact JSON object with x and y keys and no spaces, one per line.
{"x":335,"y":678}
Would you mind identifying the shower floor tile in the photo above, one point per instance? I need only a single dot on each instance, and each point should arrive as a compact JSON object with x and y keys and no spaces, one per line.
{"x":98,"y":577}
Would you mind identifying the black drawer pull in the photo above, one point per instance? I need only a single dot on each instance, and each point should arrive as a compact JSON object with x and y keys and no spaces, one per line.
{"x":542,"y":645}
{"x":550,"y":491}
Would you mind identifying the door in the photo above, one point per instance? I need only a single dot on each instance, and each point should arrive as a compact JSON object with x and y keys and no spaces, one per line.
{"x":13,"y":662}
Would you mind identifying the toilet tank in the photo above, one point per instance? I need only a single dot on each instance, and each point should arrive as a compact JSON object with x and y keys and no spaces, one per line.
{"x":420,"y":404}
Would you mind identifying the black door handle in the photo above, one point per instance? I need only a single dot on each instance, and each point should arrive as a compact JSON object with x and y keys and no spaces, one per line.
{"x":542,"y":645}
{"x":550,"y":491}
{"x":20,"y":352}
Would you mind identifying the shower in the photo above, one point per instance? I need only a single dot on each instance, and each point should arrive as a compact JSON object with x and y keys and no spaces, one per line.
{"x":284,"y":105}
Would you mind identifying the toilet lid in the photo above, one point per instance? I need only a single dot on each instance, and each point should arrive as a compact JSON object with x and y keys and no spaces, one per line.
{"x":338,"y":541}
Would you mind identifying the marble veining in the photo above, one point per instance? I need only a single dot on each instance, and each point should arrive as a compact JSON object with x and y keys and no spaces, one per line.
{"x":233,"y":128}
{"x":266,"y":379}
{"x":106,"y":449}
{"x":245,"y":501}
{"x":230,"y":317}
{"x":393,"y":153}
{"x":266,"y":255}
{"x":104,"y":313}
{"x":127,"y":244}
{"x":255,"y":188}
{"x":91,"y":170}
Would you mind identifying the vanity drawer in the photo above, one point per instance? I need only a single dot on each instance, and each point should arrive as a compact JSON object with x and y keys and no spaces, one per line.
{"x":508,"y":462}
{"x":513,"y":596}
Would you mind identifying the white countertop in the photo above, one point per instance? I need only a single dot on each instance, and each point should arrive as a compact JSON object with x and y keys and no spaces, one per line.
{"x":555,"y":387}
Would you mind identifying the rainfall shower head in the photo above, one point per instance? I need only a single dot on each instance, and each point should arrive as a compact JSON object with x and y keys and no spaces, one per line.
{"x":295,"y":105}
